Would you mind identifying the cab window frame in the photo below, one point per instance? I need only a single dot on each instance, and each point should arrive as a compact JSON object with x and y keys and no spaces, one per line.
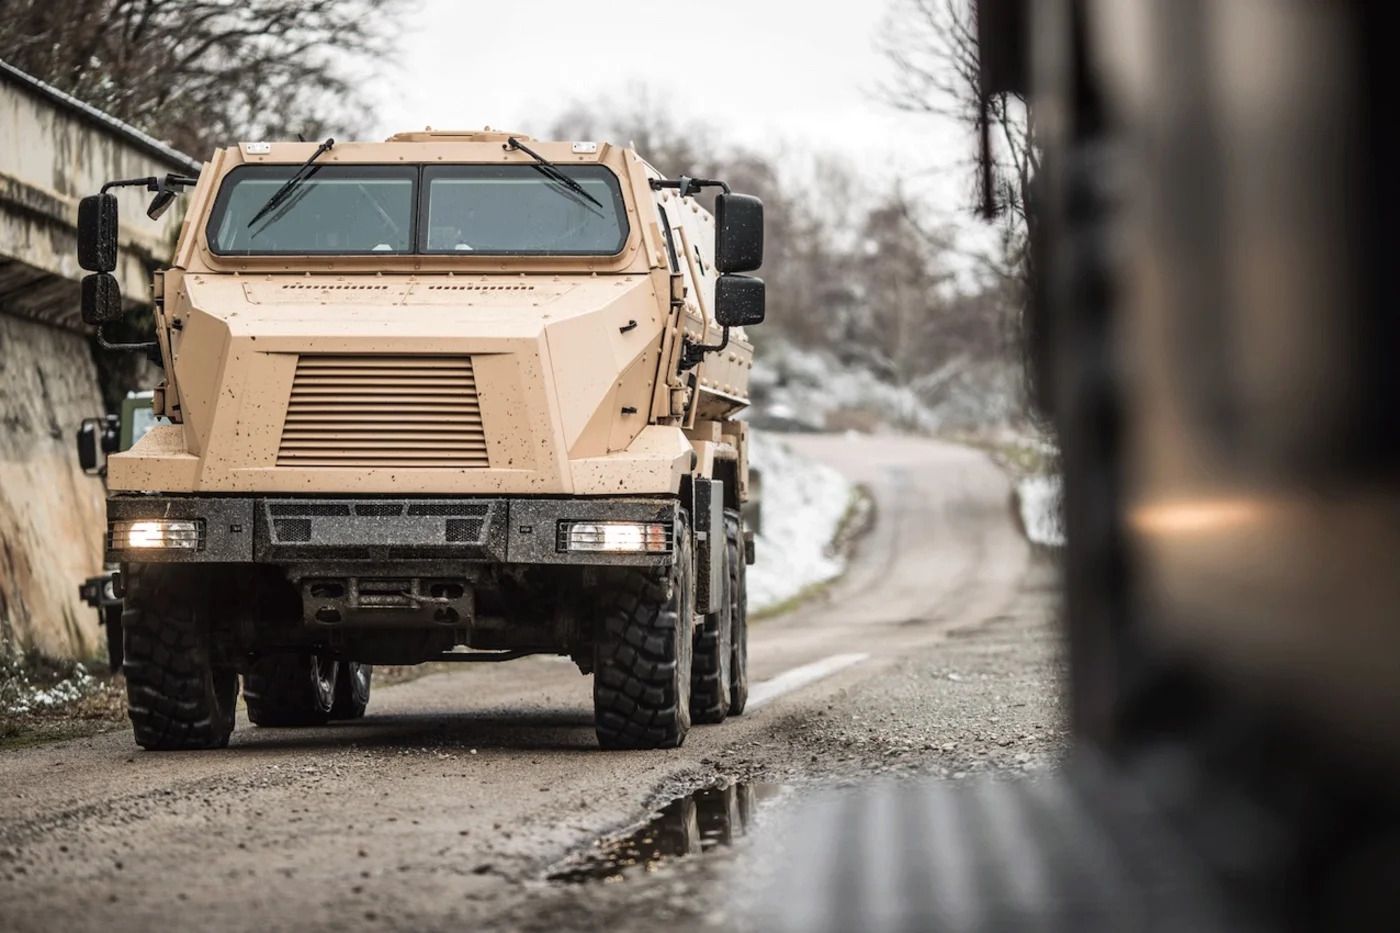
{"x":418,"y":173}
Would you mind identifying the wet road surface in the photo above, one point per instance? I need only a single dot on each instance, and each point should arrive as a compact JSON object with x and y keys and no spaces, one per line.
{"x":462,"y":794}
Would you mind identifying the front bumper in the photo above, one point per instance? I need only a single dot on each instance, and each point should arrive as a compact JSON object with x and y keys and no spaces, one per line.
{"x":378,"y":530}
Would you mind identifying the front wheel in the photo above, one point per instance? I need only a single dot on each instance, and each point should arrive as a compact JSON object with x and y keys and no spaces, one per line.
{"x":177,"y":696}
{"x":642,"y":653}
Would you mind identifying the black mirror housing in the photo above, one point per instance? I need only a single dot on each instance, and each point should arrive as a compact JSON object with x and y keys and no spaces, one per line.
{"x":97,"y":437}
{"x":161,"y":203}
{"x":88,"y":439}
{"x":97,"y":233}
{"x":739,"y":300}
{"x":102,"y":298}
{"x":738,"y":233}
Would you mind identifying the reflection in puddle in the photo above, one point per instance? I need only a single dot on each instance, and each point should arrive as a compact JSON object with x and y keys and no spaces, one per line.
{"x":701,"y":821}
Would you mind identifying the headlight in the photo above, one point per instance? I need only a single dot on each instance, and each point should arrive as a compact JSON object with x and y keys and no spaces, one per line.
{"x":176,"y":534}
{"x":618,"y":537}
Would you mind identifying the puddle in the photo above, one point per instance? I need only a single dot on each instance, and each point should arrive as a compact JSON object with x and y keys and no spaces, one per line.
{"x":707,"y":819}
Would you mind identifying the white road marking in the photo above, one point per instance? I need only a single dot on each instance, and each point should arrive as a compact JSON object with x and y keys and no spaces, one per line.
{"x":798,"y":677}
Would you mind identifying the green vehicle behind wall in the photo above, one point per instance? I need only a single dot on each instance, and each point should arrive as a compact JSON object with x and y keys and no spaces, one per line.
{"x":98,"y":437}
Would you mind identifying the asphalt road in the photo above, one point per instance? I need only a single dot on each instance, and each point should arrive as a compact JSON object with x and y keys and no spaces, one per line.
{"x":456,"y":798}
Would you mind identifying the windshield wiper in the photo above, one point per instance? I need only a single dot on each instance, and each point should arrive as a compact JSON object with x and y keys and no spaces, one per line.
{"x":301,"y":175}
{"x":551,"y":171}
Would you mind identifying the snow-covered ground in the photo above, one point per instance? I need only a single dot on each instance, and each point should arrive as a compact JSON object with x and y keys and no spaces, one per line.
{"x":812,"y":390}
{"x":803,"y":504}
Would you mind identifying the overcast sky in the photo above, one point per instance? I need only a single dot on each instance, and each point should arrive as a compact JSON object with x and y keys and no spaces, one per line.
{"x":783,"y":74}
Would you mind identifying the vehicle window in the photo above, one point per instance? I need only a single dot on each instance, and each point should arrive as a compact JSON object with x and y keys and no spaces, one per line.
{"x":670,"y":239}
{"x":142,"y":420}
{"x":336,"y":209}
{"x":519,"y":210}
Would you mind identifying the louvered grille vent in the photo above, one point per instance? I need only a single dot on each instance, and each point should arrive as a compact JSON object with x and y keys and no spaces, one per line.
{"x":383,"y":411}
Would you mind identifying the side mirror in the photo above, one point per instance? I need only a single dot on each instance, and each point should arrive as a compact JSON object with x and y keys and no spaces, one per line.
{"x":88,"y":444}
{"x":97,"y":232}
{"x":102,"y":298}
{"x":96,"y":436}
{"x":739,"y":300}
{"x":161,"y":202}
{"x":738,"y":233}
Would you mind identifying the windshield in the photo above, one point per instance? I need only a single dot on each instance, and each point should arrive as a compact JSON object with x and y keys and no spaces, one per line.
{"x":336,"y":209}
{"x":442,"y":209}
{"x":516,"y":209}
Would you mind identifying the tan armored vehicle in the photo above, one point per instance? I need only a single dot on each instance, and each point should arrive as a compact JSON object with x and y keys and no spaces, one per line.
{"x":452,"y":396}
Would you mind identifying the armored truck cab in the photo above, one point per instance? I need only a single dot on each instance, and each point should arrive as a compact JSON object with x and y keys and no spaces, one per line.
{"x":452,"y":396}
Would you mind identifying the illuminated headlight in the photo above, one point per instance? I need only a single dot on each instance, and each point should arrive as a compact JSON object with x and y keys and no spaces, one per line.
{"x":618,"y":537}
{"x":176,"y":534}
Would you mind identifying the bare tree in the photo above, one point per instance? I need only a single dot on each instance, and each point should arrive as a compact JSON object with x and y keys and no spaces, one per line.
{"x":933,"y":46}
{"x":934,"y":49}
{"x":198,"y":73}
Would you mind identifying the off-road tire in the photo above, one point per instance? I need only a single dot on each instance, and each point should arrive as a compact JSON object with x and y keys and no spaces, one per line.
{"x":352,"y":684}
{"x":289,"y":690}
{"x":714,"y":655}
{"x":642,"y":653}
{"x":177,"y":698}
{"x":737,"y":557}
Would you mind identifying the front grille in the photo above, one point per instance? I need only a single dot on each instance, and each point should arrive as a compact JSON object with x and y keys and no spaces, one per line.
{"x":381,"y":529}
{"x":458,"y":509}
{"x":464,"y":530}
{"x":377,"y":508}
{"x":292,"y":529}
{"x":383,"y":411}
{"x":309,"y":508}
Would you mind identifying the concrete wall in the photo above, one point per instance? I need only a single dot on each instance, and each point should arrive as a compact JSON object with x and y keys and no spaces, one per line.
{"x":51,"y":513}
{"x":53,"y":151}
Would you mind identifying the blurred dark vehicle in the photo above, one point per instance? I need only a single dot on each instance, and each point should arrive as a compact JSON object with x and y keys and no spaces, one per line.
{"x":1213,"y":333}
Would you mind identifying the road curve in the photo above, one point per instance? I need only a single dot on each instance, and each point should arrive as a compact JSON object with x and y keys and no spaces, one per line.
{"x":451,"y":800}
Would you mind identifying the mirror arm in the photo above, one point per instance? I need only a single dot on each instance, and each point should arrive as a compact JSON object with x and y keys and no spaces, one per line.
{"x":692,"y":353}
{"x":150,"y":182}
{"x":144,"y":346}
{"x":153,"y":182}
{"x":688,"y":186}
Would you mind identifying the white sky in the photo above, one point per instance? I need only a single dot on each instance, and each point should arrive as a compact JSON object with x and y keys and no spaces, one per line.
{"x":781,"y":74}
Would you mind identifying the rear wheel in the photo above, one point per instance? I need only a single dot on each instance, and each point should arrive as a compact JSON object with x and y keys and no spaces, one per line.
{"x":711,"y":683}
{"x":290,"y":690}
{"x":351,"y":690}
{"x":737,"y":559}
{"x":177,"y":697}
{"x":642,"y":653}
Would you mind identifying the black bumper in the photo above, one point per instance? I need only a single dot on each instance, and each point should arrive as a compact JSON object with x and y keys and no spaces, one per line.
{"x":282,"y":530}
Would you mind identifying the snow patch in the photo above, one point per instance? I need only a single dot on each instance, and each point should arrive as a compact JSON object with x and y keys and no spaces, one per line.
{"x":20,"y":696}
{"x":803,"y":504}
{"x":1039,"y":497}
